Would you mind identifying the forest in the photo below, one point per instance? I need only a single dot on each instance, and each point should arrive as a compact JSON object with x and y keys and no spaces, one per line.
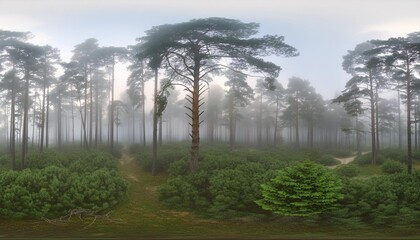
{"x":205,"y":141}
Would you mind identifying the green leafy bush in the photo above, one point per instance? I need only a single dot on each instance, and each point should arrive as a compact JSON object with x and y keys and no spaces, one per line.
{"x":5,"y":163}
{"x":314,"y":154}
{"x":227,"y":184}
{"x":392,"y":167}
{"x":348,"y":170}
{"x":302,"y":190}
{"x":53,"y":190}
{"x":327,"y":160}
{"x":90,"y":161}
{"x":394,"y":154}
{"x":40,"y":160}
{"x":387,"y":200}
{"x":178,"y":193}
{"x":366,"y":159}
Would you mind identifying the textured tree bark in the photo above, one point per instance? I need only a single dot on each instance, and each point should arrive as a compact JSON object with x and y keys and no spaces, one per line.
{"x":195,"y":119}
{"x":372,"y":118}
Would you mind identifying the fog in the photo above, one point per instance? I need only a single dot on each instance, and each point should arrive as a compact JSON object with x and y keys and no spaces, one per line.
{"x":322,"y":32}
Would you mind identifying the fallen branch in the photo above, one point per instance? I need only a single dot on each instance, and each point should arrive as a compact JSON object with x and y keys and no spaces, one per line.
{"x":82,"y":215}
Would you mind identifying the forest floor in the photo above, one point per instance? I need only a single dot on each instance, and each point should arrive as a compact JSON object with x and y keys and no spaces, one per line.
{"x":141,"y":216}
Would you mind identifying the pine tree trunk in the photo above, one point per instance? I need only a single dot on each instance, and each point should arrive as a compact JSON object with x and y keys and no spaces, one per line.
{"x":359,"y":151}
{"x":231,"y":123}
{"x":59,"y":120}
{"x":111,"y":125}
{"x":399,"y":118}
{"x":44,"y":86}
{"x":409,"y":150}
{"x":85,"y":141}
{"x":195,"y":118}
{"x":90,"y":108}
{"x":276,"y":121}
{"x":25,"y":120}
{"x":47,"y":118}
{"x":377,"y":117}
{"x":143,"y":116}
{"x":259,"y":129}
{"x":155,"y":125}
{"x":160,"y":130}
{"x":13,"y":124}
{"x":372,"y":117}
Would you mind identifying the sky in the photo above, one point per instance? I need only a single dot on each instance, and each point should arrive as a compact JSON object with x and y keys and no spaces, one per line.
{"x":321,"y":30}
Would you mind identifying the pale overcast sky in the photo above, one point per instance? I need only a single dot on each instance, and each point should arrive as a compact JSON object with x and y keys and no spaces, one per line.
{"x":321,"y":30}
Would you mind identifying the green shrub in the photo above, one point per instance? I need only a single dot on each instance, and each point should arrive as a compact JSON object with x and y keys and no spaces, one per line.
{"x":314,"y":154}
{"x":416,"y":155}
{"x":392,"y":167}
{"x":394,"y":154}
{"x":348,"y":170}
{"x":99,"y":190}
{"x":90,"y":161}
{"x":75,"y":180}
{"x":366,"y":159}
{"x":227,"y":184}
{"x":179,"y":168}
{"x":302,"y":190}
{"x":387,"y":200}
{"x":327,"y":160}
{"x":5,"y":163}
{"x":178,"y":193}
{"x":40,"y":160}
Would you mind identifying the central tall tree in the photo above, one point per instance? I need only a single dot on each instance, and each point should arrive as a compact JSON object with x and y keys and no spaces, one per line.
{"x":194,"y":50}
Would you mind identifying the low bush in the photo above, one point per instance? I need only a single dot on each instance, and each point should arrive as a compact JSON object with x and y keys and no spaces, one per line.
{"x":79,"y":180}
{"x":387,"y":200}
{"x":327,"y":160}
{"x":302,"y":190}
{"x":39,"y":160}
{"x":227,"y":184}
{"x":314,"y":154}
{"x":392,"y":167}
{"x":5,"y":161}
{"x":394,"y":154}
{"x":366,"y":159}
{"x":348,"y":170}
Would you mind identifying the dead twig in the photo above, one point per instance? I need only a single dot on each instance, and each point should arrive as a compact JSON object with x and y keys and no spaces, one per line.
{"x":83,"y":215}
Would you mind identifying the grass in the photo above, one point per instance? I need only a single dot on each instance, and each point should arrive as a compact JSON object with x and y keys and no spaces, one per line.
{"x":143,"y":217}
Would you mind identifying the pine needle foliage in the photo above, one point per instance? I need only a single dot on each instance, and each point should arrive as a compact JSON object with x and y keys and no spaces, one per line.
{"x":301,"y":190}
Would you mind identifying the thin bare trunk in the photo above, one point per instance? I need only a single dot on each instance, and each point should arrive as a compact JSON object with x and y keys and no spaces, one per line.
{"x":25,"y":121}
{"x":155,"y":125}
{"x":409,"y":150}
{"x":111,"y":130}
{"x":372,"y":117}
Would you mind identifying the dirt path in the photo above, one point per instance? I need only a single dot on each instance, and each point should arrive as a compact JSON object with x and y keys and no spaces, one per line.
{"x":346,"y":160}
{"x":129,"y":168}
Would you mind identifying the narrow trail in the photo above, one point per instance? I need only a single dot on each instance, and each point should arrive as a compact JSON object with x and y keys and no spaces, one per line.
{"x":344,"y":161}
